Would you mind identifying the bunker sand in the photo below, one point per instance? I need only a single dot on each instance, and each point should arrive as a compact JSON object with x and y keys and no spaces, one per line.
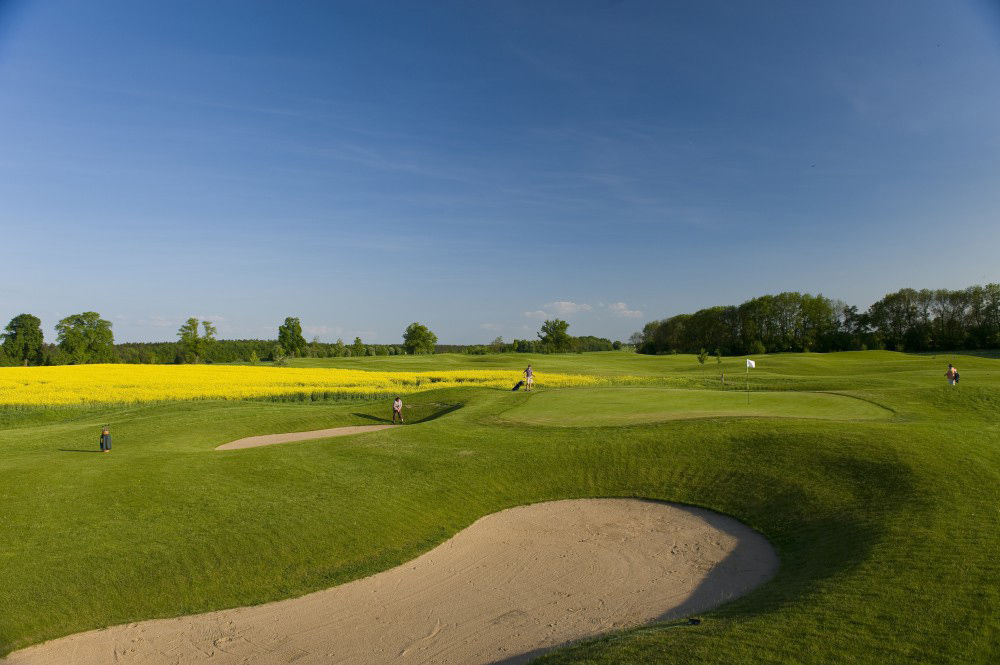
{"x":288,"y":437}
{"x":509,"y":587}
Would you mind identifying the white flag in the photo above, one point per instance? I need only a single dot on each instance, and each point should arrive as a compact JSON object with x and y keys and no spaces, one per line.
{"x":751,"y":363}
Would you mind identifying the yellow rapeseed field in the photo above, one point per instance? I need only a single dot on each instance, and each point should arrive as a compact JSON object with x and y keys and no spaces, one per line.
{"x":110,"y":384}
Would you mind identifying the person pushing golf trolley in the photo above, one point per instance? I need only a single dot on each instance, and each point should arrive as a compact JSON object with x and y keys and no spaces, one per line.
{"x":106,"y":439}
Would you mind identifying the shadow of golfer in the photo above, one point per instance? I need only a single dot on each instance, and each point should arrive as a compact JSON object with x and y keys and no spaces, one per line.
{"x":368,"y":416}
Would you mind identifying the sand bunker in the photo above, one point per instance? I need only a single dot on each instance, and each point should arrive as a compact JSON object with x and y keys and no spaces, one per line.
{"x":512,"y":585}
{"x":271,"y":439}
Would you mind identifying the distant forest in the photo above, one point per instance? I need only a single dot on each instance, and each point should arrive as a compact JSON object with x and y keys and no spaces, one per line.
{"x":907,"y":320}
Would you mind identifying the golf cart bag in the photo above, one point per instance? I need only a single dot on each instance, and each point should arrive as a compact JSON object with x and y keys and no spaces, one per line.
{"x":518,"y":386}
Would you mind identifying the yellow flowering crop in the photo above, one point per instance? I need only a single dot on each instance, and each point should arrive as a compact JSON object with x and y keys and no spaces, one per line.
{"x":79,"y":384}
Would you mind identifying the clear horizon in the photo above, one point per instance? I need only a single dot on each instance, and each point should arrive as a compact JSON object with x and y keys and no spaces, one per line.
{"x":480,"y":167}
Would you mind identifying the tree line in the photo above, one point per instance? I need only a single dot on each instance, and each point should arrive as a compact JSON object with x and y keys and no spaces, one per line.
{"x":906,"y":320}
{"x":548,"y":342}
{"x":87,"y":338}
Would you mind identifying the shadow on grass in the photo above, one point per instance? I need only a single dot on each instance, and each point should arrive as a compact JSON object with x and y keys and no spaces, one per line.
{"x":368,"y":416}
{"x":77,"y":450}
{"x":815,"y":542}
{"x":718,"y":587}
{"x":449,"y":408}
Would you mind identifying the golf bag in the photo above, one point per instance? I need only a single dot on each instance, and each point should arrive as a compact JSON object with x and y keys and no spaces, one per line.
{"x":518,"y":386}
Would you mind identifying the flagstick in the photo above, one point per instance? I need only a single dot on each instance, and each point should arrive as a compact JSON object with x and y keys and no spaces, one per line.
{"x":748,"y":385}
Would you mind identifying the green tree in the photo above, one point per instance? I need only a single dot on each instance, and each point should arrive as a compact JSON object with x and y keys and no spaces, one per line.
{"x":702,"y":356}
{"x":253,"y":358}
{"x":496,"y":346}
{"x":207,"y":338}
{"x":278,"y":354}
{"x":338,"y":348}
{"x":194,"y":345}
{"x":86,"y":338}
{"x":290,"y":337}
{"x":554,"y":336}
{"x":22,"y":339}
{"x":718,"y":356}
{"x":418,"y":338}
{"x":358,"y":348}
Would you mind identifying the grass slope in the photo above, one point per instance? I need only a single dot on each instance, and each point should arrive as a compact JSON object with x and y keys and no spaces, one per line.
{"x":886,"y":528}
{"x":594,"y":407}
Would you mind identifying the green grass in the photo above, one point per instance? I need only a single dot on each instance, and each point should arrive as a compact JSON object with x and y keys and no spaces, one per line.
{"x":886,"y":528}
{"x":595,"y":407}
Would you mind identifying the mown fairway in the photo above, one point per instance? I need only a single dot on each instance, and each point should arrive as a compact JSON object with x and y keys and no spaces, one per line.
{"x":882,"y":500}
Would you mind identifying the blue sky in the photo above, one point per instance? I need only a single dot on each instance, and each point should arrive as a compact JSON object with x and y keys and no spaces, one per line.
{"x":481,"y":166}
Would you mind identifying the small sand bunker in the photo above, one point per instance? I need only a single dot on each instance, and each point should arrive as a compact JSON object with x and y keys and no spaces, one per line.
{"x":512,"y":585}
{"x":271,"y":439}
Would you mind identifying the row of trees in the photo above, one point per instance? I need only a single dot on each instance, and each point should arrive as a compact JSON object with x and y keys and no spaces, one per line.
{"x":553,"y":337}
{"x":81,"y":338}
{"x":910,"y":320}
{"x":87,"y":338}
{"x":197,"y":343}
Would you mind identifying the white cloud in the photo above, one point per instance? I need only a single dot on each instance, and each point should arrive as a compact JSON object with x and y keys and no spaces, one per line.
{"x":564,"y":307}
{"x":620,"y":309}
{"x":558,"y":308}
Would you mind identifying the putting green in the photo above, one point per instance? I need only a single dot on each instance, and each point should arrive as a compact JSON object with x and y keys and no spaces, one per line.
{"x":587,"y":407}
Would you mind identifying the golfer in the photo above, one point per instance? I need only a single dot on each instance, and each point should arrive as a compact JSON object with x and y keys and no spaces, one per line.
{"x":397,"y":410}
{"x":105,"y":440}
{"x":951,"y":375}
{"x":529,"y":378}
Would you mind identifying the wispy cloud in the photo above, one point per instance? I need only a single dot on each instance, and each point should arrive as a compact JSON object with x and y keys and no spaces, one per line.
{"x":558,"y":308}
{"x":565,"y":307}
{"x":621,"y":310}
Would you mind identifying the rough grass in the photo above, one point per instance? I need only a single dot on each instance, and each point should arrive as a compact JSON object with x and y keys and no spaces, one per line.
{"x":886,"y":529}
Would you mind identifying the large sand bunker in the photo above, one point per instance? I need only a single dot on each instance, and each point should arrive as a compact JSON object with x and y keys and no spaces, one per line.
{"x":271,"y":439}
{"x":512,"y":585}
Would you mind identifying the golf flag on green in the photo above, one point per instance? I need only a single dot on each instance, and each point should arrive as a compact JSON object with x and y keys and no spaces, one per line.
{"x":750,"y":363}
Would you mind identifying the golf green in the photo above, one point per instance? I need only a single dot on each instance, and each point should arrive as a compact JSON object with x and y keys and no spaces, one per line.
{"x":590,"y":407}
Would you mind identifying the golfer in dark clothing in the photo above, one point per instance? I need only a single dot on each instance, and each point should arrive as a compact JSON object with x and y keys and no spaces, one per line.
{"x":106,"y":440}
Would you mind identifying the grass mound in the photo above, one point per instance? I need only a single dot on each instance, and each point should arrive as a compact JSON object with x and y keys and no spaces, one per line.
{"x":594,"y":407}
